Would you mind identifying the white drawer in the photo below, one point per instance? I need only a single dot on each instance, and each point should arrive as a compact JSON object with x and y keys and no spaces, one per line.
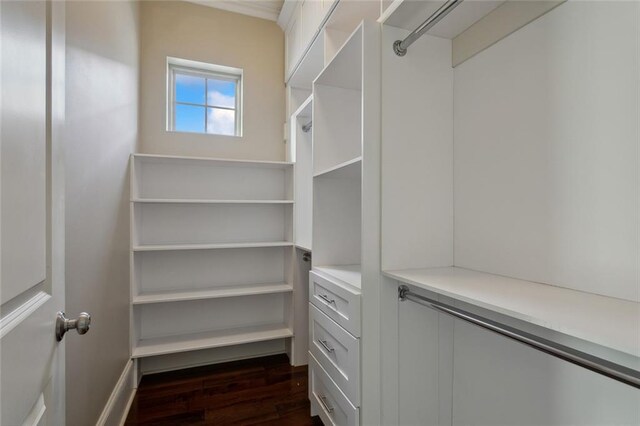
{"x":337,"y":301}
{"x":331,"y":404}
{"x":337,"y":351}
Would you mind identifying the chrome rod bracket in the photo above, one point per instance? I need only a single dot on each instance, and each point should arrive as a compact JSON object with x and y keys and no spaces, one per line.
{"x":402,"y":293}
{"x":400,"y":46}
{"x":398,"y":49}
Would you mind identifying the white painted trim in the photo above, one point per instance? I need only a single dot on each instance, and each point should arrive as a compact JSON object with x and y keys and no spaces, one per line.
{"x":117,"y":407}
{"x":37,"y":413}
{"x":22,"y":312}
{"x":255,"y":9}
{"x":285,"y":13}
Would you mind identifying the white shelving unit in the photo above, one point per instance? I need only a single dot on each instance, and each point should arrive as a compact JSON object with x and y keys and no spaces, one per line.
{"x":346,"y":268}
{"x":211,"y":254}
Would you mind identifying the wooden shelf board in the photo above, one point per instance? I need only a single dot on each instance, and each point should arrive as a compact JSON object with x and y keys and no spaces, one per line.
{"x":349,"y":274}
{"x":409,"y":14}
{"x":212,"y":293}
{"x":211,"y":339}
{"x":175,"y":247}
{"x":205,"y":201}
{"x":605,"y":321}
{"x":348,"y":169}
{"x":214,"y":161}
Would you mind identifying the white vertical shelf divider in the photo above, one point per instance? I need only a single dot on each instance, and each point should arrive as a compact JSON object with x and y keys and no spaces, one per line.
{"x":211,"y":249}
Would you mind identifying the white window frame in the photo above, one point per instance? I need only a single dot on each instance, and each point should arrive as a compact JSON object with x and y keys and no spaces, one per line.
{"x":202,"y":69}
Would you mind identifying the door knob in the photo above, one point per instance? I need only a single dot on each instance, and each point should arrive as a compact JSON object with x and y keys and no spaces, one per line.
{"x":63,"y":324}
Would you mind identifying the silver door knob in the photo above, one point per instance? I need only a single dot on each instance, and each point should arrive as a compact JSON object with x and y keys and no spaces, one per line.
{"x":63,"y":324}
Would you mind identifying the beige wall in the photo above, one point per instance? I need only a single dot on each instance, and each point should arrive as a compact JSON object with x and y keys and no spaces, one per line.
{"x":101,"y":132}
{"x":200,"y":33}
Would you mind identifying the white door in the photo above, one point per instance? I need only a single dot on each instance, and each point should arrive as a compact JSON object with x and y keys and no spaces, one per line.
{"x":31,"y":212}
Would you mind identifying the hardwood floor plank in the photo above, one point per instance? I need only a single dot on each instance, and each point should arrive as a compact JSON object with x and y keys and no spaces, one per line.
{"x":263,"y":391}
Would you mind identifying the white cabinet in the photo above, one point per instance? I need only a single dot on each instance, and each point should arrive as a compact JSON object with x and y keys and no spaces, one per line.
{"x":312,"y":14}
{"x":338,"y":301}
{"x":293,"y":40}
{"x":337,"y":351}
{"x":303,"y":25}
{"x":331,"y":404}
{"x":313,"y":21}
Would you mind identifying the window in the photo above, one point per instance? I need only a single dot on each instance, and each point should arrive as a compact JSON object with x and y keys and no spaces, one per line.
{"x":203,"y":98}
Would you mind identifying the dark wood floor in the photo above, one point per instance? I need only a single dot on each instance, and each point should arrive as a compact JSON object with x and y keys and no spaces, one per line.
{"x":263,"y":391}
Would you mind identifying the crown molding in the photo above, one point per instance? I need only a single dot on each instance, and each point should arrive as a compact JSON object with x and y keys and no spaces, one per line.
{"x":263,"y":9}
{"x":285,"y":14}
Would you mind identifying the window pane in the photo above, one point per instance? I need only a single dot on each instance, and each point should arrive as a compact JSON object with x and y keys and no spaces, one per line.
{"x":221,"y":93}
{"x":189,"y":89}
{"x":221,"y":121}
{"x":189,"y":118}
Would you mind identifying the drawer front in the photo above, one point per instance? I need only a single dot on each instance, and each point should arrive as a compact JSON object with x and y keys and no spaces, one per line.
{"x":336,"y":301}
{"x":337,"y":351}
{"x":332,"y":405}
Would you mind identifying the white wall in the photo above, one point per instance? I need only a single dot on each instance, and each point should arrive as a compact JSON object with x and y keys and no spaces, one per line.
{"x":102,"y":130}
{"x":205,"y":34}
{"x":546,"y":151}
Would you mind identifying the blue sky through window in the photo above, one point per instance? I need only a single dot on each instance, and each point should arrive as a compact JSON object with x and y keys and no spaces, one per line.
{"x":189,"y":89}
{"x":189,"y":118}
{"x":214,"y":109}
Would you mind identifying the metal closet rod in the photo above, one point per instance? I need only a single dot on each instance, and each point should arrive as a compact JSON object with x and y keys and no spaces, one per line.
{"x":400,"y":46}
{"x":598,"y":365}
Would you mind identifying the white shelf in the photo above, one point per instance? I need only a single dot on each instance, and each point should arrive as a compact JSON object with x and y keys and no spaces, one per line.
{"x":309,"y":66}
{"x":213,"y":161}
{"x":205,"y":201}
{"x":409,"y":14}
{"x":174,"y":247}
{"x":211,"y":339}
{"x":212,"y":293}
{"x":348,"y":169}
{"x":305,"y":110}
{"x":350,"y":274}
{"x":345,"y":69}
{"x":606,"y":321}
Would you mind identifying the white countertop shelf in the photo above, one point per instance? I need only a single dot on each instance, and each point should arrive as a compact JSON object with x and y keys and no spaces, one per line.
{"x":349,"y":274}
{"x":211,"y":339}
{"x":212,"y":293}
{"x":175,"y":247}
{"x":205,"y":201}
{"x":606,"y":321}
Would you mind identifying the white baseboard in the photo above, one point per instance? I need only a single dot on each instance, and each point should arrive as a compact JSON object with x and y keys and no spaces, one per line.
{"x":178,"y":361}
{"x":117,"y":407}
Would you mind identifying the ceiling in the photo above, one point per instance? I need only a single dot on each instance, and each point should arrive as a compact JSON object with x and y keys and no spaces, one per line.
{"x":265,"y":9}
